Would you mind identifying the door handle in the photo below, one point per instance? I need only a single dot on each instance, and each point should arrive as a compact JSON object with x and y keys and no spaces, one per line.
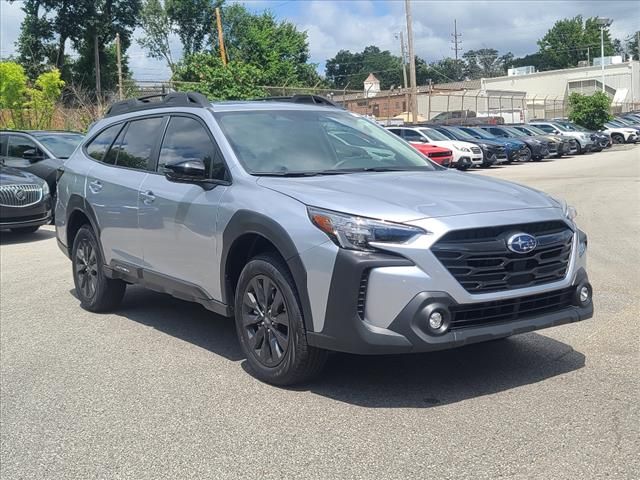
{"x":95,"y":186}
{"x":147,"y":197}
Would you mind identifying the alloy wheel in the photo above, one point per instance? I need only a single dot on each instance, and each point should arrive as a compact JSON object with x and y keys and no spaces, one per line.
{"x":265,"y":320}
{"x":87,"y":269}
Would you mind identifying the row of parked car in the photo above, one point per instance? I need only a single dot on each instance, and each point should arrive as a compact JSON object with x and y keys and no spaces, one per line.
{"x":463,"y":146}
{"x":29,"y":160}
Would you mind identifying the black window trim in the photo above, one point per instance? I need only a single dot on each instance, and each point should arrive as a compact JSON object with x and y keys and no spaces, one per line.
{"x":125,"y":124}
{"x":156,"y":158}
{"x":38,"y":145}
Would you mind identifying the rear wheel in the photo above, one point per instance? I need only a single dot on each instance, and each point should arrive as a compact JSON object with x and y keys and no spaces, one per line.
{"x":270,"y":325}
{"x":25,"y":230}
{"x":97,"y":293}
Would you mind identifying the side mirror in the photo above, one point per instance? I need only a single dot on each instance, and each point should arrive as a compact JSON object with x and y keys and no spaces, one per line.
{"x":189,"y":171}
{"x":33,"y":155}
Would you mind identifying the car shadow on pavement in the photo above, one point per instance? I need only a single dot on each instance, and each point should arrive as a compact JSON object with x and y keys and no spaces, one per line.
{"x":450,"y":376}
{"x":187,"y":321}
{"x":11,"y":238}
{"x":381,"y":381}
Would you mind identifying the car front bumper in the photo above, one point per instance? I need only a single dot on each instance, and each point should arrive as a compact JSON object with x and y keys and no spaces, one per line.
{"x":347,"y":330}
{"x":380,"y":303}
{"x":22,"y":217}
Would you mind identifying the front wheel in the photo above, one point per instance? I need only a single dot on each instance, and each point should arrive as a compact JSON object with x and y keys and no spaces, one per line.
{"x":270,"y":325}
{"x":97,"y":293}
{"x":617,"y":138}
{"x":526,"y":155}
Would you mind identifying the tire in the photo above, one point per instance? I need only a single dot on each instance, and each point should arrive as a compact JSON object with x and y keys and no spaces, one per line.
{"x":275,"y":344}
{"x":96,"y":292}
{"x":617,"y":138}
{"x":25,"y":230}
{"x":579,"y":150}
{"x":527,"y":155}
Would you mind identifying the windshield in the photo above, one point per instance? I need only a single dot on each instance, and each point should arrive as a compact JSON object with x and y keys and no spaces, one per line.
{"x":460,"y":134}
{"x":434,"y":135}
{"x":61,"y":145}
{"x":514,"y":132}
{"x":312,"y":142}
{"x":479,"y":133}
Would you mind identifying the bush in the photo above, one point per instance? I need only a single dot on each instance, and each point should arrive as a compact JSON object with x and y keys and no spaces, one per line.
{"x":236,"y":81}
{"x":590,"y":111}
{"x":22,"y":106}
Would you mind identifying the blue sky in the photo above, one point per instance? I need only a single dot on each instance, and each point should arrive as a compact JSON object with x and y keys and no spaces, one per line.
{"x":509,"y":25}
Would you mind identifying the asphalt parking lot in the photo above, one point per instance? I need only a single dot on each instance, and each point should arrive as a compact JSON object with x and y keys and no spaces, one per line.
{"x":159,"y":389}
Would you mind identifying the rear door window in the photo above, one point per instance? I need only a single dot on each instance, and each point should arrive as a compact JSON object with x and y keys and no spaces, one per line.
{"x":138,"y":143}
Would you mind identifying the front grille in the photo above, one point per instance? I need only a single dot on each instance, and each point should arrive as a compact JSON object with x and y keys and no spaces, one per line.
{"x":480,"y":260}
{"x":362,"y":293}
{"x":553,"y":147}
{"x":476,"y":150}
{"x":486,"y":313}
{"x":20,"y":195}
{"x":440,"y":154}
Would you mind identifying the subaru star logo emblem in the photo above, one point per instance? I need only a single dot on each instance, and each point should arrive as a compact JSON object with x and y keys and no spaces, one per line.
{"x":522,"y":243}
{"x":20,"y":195}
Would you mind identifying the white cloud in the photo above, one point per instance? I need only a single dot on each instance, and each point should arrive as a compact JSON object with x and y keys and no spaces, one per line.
{"x":333,"y":25}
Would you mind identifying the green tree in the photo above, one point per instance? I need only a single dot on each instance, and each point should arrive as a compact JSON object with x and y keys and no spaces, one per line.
{"x":275,"y":47}
{"x":572,"y":40}
{"x":157,"y":26}
{"x":441,"y":71}
{"x":349,"y":68}
{"x":104,"y":19}
{"x":590,"y":111}
{"x":486,"y":63}
{"x":43,"y":98}
{"x":36,"y":33}
{"x":632,"y":46}
{"x":13,"y":85}
{"x":193,"y":20}
{"x":235,"y":81}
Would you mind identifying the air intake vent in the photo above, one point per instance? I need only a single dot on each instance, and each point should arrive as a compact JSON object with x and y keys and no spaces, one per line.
{"x":362,"y":293}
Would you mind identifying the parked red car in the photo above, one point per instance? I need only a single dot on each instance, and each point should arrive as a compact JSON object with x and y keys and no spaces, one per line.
{"x":442,"y":156}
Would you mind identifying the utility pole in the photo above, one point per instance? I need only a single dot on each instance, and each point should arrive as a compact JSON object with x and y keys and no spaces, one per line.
{"x":456,"y":44}
{"x":412,"y":62}
{"x":223,"y":54}
{"x":97,"y":68}
{"x":603,"y":23}
{"x":455,"y":39}
{"x":119,"y":62}
{"x":404,"y":71}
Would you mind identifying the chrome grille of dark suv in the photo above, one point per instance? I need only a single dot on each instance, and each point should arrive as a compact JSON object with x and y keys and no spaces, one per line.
{"x":476,"y":150}
{"x":20,"y":195}
{"x":480,"y":260}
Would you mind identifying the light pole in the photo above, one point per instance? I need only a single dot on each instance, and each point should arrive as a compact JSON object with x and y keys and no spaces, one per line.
{"x":603,"y":23}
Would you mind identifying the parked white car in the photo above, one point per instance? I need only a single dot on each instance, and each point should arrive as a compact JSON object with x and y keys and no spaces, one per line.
{"x":465,"y":154}
{"x":621,"y":134}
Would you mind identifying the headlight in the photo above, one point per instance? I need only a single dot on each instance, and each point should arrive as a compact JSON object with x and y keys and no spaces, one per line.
{"x":462,"y":149}
{"x":357,"y":233}
{"x":45,"y":189}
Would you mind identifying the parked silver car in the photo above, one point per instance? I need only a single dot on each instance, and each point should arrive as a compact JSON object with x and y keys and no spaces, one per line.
{"x":260,"y":211}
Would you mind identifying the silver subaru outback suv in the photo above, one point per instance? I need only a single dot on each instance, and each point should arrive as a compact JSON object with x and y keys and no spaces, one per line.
{"x":314,"y":228}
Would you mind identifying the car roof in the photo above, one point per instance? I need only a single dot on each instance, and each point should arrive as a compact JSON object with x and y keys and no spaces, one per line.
{"x":49,"y":132}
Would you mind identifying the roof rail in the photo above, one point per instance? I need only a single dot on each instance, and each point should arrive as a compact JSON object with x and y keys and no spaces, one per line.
{"x":173,"y":99}
{"x":302,"y":98}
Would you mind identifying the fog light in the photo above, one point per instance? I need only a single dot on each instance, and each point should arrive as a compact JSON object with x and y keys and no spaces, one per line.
{"x":435,"y":320}
{"x":584,"y":294}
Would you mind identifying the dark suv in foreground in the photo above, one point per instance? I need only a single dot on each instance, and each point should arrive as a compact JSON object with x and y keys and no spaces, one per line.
{"x":311,"y":245}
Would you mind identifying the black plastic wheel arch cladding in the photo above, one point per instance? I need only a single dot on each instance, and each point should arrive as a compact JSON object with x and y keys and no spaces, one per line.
{"x":247,"y":222}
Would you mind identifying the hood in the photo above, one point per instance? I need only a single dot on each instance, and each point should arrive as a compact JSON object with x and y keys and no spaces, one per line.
{"x":406,"y":196}
{"x":452,"y":144}
{"x":491,"y":143}
{"x":10,"y":176}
